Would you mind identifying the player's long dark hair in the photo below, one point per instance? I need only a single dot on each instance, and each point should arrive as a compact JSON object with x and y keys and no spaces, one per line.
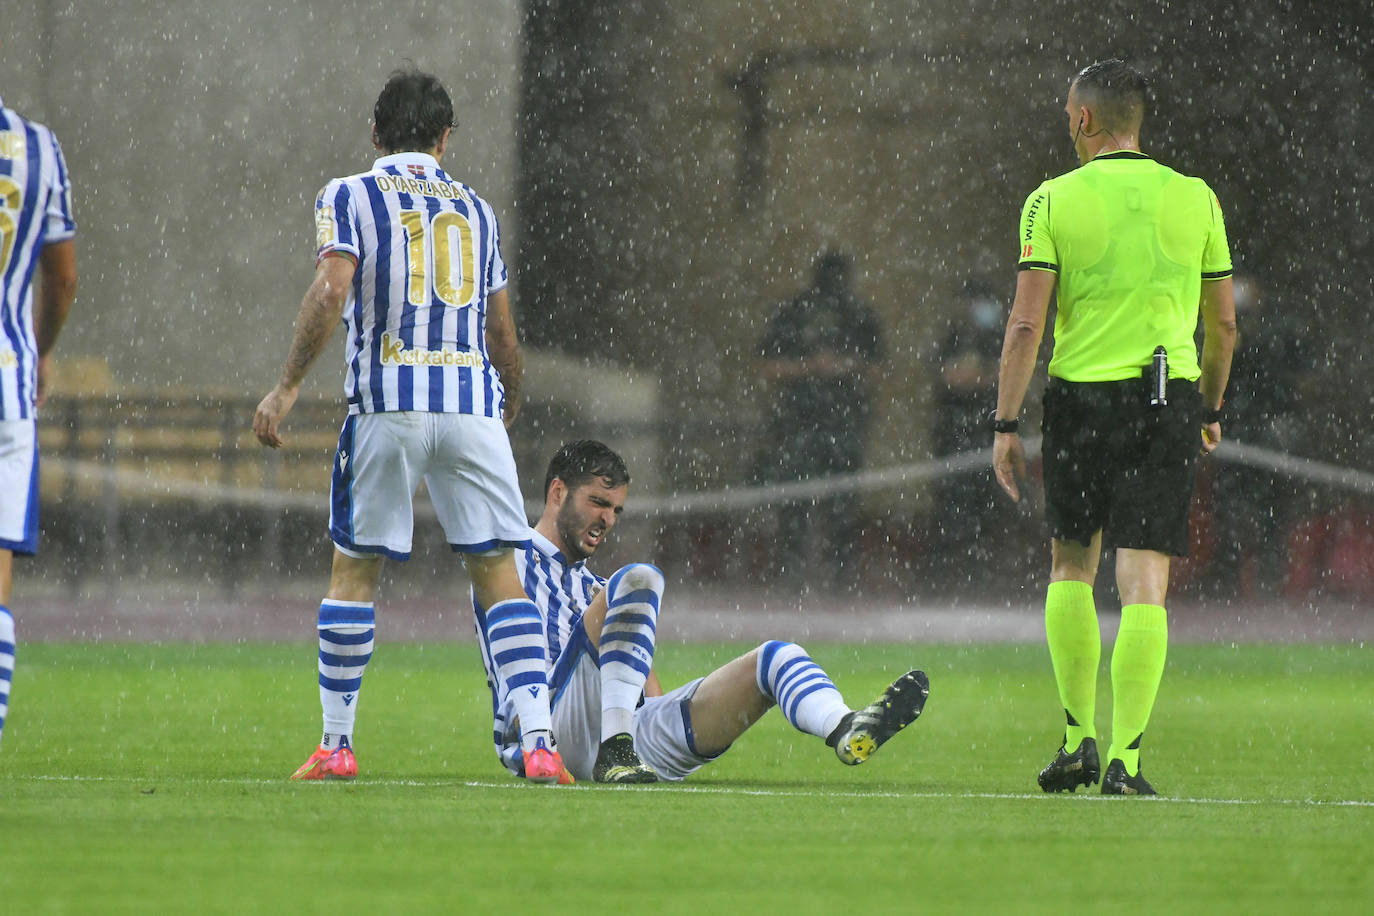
{"x":412,"y":112}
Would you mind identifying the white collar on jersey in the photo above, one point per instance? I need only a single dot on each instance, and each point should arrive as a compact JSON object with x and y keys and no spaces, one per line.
{"x":403,"y":159}
{"x":547,"y":548}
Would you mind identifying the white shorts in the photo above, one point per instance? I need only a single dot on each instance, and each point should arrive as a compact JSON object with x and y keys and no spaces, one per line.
{"x":19,"y":486}
{"x":662,"y":726}
{"x":465,"y":462}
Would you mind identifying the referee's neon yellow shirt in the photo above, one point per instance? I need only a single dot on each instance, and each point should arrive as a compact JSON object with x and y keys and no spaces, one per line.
{"x":1132,"y":242}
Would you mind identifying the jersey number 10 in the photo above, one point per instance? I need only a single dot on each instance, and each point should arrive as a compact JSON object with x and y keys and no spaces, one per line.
{"x":441,"y":248}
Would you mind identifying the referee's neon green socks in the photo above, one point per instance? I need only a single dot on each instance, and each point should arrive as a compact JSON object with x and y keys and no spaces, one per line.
{"x":1075,"y":649}
{"x":1137,"y":668}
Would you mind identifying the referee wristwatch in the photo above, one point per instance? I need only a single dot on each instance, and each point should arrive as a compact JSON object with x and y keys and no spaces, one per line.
{"x":1211,"y":415}
{"x":1003,"y":426}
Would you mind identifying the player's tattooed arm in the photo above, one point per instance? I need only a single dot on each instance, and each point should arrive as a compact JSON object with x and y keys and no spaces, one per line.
{"x":503,"y":345}
{"x":321,"y":310}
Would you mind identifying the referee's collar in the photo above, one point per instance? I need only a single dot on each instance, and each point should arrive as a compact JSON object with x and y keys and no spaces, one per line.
{"x":1121,"y":154}
{"x":401,"y":160}
{"x":546,"y":547}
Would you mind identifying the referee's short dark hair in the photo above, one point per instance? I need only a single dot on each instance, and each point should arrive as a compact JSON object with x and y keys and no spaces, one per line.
{"x":582,"y":460}
{"x":412,"y":112}
{"x":1122,"y":92}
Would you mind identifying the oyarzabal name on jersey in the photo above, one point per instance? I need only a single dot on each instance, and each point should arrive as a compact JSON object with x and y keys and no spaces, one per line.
{"x":421,"y":187}
{"x":396,"y":353}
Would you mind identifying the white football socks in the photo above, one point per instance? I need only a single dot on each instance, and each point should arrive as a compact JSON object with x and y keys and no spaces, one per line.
{"x":515,"y":636}
{"x":6,"y":663}
{"x":633,"y":596}
{"x":346,"y":631}
{"x":803,"y":691}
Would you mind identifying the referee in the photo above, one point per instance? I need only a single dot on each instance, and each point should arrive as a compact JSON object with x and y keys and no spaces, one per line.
{"x":1134,"y":251}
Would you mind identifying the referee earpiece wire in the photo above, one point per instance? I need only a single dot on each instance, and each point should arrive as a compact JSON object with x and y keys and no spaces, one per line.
{"x":1079,"y":133}
{"x":1100,"y":130}
{"x":1103,"y":130}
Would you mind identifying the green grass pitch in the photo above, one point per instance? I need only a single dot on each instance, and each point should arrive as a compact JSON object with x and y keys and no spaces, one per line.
{"x":152,"y":778}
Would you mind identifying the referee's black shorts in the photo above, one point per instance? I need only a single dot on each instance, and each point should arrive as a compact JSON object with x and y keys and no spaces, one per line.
{"x":1115,"y":463}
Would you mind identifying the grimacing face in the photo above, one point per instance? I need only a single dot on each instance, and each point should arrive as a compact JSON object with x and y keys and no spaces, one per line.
{"x":587,"y":515}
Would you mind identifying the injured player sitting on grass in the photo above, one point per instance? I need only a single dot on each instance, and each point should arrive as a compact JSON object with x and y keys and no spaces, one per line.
{"x":611,"y":718}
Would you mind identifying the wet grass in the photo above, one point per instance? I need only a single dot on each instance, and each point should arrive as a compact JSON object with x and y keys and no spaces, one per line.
{"x":151,"y":778}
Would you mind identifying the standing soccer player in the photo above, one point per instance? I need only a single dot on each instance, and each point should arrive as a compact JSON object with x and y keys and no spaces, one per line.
{"x":1135,"y":249}
{"x":36,"y":232}
{"x":410,"y":259}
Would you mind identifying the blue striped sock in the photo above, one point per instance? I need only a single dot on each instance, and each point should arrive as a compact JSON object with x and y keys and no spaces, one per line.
{"x":6,"y":663}
{"x":633,"y":597}
{"x":803,"y":691}
{"x":515,"y":636}
{"x":346,"y":632}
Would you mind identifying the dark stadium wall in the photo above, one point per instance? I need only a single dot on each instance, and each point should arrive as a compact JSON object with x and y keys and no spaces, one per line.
{"x":681,"y":164}
{"x":666,"y":171}
{"x":197,"y":135}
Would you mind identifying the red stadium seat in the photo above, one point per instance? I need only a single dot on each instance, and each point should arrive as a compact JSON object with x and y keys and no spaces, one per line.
{"x":1333,"y":553}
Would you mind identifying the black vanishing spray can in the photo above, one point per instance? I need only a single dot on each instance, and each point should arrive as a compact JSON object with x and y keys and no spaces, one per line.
{"x":1159,"y":378}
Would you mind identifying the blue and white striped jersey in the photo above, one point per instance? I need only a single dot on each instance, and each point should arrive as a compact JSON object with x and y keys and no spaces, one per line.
{"x":562,"y":591}
{"x":428,"y":251}
{"x":35,"y":210}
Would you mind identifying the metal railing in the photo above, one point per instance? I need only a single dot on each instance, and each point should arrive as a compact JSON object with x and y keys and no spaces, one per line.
{"x":174,"y":487}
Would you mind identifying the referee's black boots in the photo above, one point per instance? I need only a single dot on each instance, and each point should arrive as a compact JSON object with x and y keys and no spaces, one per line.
{"x":1069,"y":771}
{"x":1119,"y":782}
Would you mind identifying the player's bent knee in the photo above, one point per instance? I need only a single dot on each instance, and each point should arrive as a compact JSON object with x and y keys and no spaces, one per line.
{"x":774,"y":649}
{"x":749,"y":661}
{"x":636,"y":577}
{"x":770,"y":656}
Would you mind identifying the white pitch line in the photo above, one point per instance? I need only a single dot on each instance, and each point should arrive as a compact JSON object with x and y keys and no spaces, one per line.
{"x":730,"y":790}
